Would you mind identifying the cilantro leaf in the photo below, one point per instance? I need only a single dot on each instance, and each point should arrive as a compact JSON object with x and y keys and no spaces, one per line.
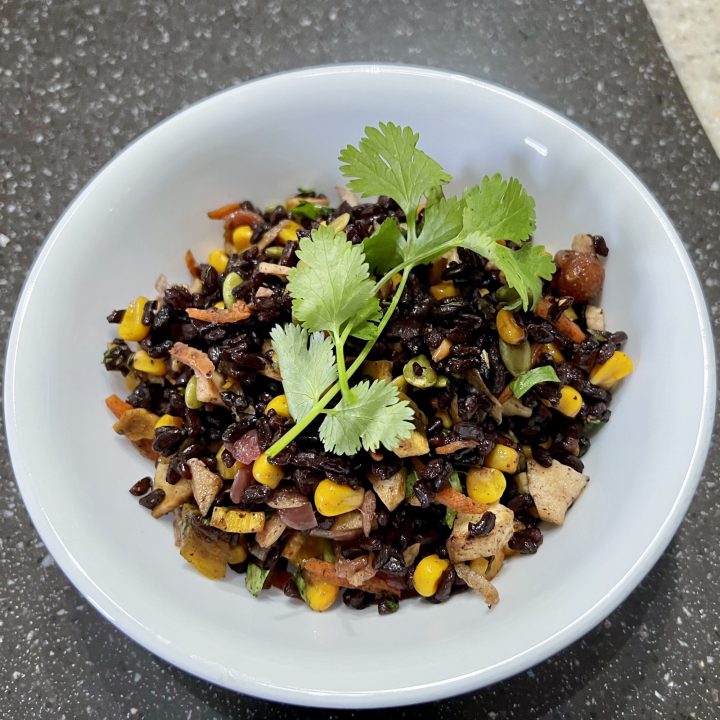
{"x":371,"y":415}
{"x":499,"y":209}
{"x":331,"y":286}
{"x":387,"y":162}
{"x":306,"y":371}
{"x":384,"y":248}
{"x":443,"y":223}
{"x":522,"y":383}
{"x":310,"y":210}
{"x":525,"y":269}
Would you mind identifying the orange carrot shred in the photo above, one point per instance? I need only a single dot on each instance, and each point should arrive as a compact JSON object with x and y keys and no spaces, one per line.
{"x":460,"y":503}
{"x":117,"y":406}
{"x":221,"y":212}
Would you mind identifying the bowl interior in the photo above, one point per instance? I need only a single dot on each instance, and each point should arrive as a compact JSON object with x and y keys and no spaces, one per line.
{"x":261,"y":141}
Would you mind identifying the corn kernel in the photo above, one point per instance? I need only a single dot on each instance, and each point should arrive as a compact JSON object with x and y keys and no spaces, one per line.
{"x":280,"y":405}
{"x":169,"y":421}
{"x":503,"y":458}
{"x":238,"y":553}
{"x":220,"y":305}
{"x":320,"y":595}
{"x":131,"y":326}
{"x":333,"y":498}
{"x":428,"y":574}
{"x":340,"y":222}
{"x":485,"y":484}
{"x":241,"y":237}
{"x":570,"y":401}
{"x":553,"y":351}
{"x":218,"y":259}
{"x":479,"y":565}
{"x":132,"y":381}
{"x":442,"y":350}
{"x":143,"y":363}
{"x":266,"y":473}
{"x":224,"y":471}
{"x":289,"y":232}
{"x":444,"y":290}
{"x":508,"y":328}
{"x":616,"y":368}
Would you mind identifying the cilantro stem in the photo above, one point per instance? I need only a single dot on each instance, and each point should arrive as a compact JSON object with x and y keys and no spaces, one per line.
{"x":340,"y":355}
{"x":331,"y":392}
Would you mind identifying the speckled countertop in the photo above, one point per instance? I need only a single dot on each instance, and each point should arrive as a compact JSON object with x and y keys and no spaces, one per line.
{"x":79,"y":79}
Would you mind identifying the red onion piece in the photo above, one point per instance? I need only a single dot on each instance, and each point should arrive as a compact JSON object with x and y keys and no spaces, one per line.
{"x":299,"y":518}
{"x":243,"y":478}
{"x":247,"y":449}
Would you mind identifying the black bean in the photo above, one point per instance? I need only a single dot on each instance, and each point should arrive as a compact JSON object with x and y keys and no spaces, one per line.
{"x":442,"y":594}
{"x":387,"y":606}
{"x":599,"y":245}
{"x":116,"y":316}
{"x":255,"y":494}
{"x":521,"y":502}
{"x":390,"y":561}
{"x":526,"y":541}
{"x":484,"y":526}
{"x":290,"y":589}
{"x":141,"y":487}
{"x":357,"y":599}
{"x":168,"y":439}
{"x":152,"y":499}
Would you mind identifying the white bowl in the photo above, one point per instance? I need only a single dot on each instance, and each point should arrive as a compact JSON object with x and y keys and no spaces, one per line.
{"x":260,"y":141}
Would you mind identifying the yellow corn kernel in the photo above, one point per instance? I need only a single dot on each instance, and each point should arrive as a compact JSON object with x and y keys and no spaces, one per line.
{"x":485,"y":484}
{"x":238,"y":553}
{"x":508,"y":328}
{"x":395,"y":280}
{"x":169,"y":421}
{"x":219,"y":260}
{"x":616,"y":368}
{"x":289,"y":232}
{"x":445,"y":289}
{"x":570,"y":401}
{"x":442,"y":350}
{"x":132,"y":381}
{"x":241,"y":237}
{"x":437,"y":269}
{"x":131,"y":326}
{"x":553,"y":351}
{"x":280,"y":405}
{"x":503,"y":458}
{"x":320,"y":595}
{"x":220,"y":305}
{"x":224,"y":471}
{"x":235,"y":520}
{"x":266,"y":473}
{"x":143,"y":363}
{"x":428,"y":573}
{"x":333,"y":498}
{"x":479,"y":565}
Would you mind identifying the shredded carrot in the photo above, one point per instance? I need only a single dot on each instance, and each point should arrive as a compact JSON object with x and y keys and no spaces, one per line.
{"x":239,"y":311}
{"x":452,"y":447}
{"x":460,"y":503}
{"x":194,"y":358}
{"x":505,"y":395}
{"x":326,"y":571}
{"x":221,"y":212}
{"x":241,"y":217}
{"x":117,"y":406}
{"x":191,"y":264}
{"x":564,"y":324}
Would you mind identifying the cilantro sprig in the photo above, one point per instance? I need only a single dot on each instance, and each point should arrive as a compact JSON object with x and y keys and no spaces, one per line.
{"x":334,"y":296}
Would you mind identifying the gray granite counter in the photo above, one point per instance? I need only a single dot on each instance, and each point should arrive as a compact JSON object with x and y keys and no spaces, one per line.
{"x":78,"y":80}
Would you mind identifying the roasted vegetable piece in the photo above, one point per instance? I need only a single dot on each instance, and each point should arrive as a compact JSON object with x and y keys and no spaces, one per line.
{"x":554,"y":489}
{"x":210,"y":557}
{"x":235,"y":520}
{"x":175,"y":495}
{"x":462,"y":547}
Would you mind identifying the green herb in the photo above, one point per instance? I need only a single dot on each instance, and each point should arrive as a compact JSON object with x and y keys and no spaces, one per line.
{"x":410,"y":479}
{"x":387,"y":162}
{"x":255,"y":578}
{"x":307,"y":372}
{"x":456,"y":485}
{"x":327,"y":553}
{"x":522,"y":383}
{"x":306,"y":192}
{"x":301,"y":585}
{"x":371,"y":414}
{"x":391,"y":605}
{"x":333,"y":292}
{"x":311,"y":211}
